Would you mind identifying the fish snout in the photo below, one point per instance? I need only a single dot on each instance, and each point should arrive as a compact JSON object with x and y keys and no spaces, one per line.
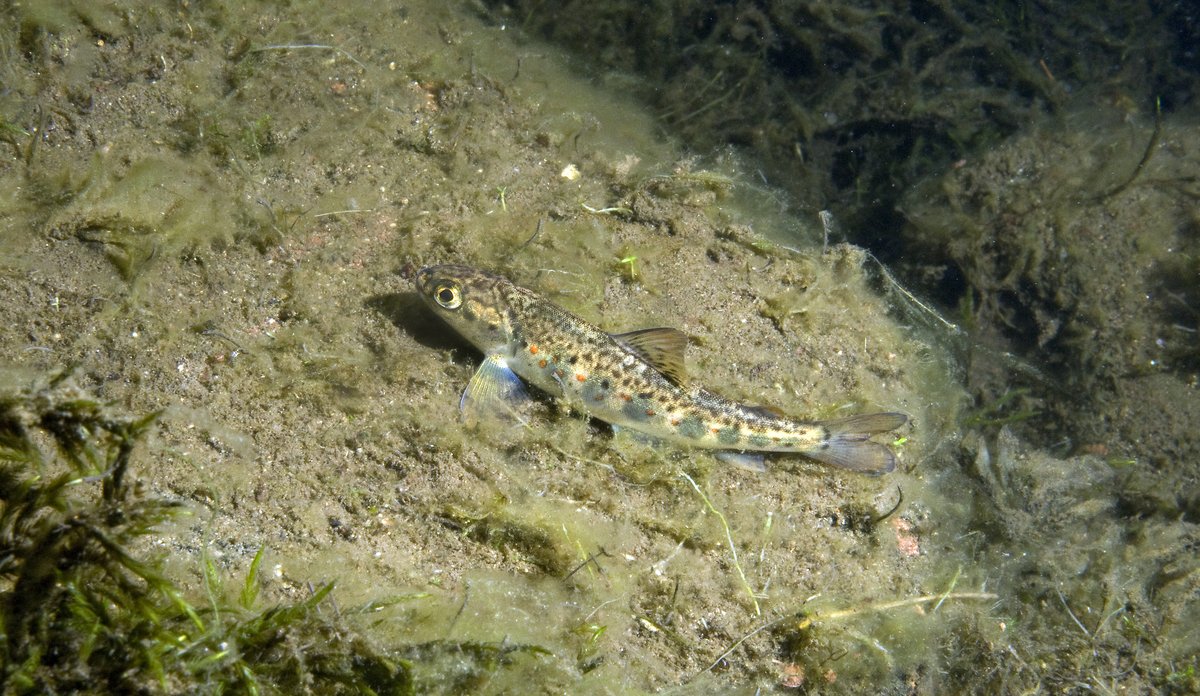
{"x":423,"y":279}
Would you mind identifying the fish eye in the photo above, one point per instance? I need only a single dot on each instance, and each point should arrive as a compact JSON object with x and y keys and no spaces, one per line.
{"x":448,"y":296}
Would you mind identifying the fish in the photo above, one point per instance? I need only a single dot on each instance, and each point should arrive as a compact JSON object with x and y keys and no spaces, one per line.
{"x":636,"y":380}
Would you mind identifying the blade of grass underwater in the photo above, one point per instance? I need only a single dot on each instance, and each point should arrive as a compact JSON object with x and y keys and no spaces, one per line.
{"x":729,"y":538}
{"x":249,"y":595}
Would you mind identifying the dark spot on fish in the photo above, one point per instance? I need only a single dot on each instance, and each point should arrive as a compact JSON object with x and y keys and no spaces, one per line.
{"x":728,"y":436}
{"x":572,"y":359}
{"x":636,"y":409}
{"x":469,"y":314}
{"x":592,"y":391}
{"x":493,"y":327}
{"x":604,"y":384}
{"x":691,"y":427}
{"x":756,"y":440}
{"x":645,"y":395}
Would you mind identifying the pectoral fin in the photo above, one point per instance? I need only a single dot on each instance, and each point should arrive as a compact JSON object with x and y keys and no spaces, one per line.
{"x":495,"y":391}
{"x":662,"y":347}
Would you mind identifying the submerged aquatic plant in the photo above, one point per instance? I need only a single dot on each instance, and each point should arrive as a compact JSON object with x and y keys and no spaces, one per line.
{"x":80,"y":610}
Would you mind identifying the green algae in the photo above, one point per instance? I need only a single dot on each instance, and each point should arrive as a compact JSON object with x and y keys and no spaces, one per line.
{"x":1065,"y":275}
{"x":82,"y":610}
{"x":158,"y":205}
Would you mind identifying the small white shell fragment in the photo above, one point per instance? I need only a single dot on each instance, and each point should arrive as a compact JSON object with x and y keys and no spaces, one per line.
{"x":570,"y":172}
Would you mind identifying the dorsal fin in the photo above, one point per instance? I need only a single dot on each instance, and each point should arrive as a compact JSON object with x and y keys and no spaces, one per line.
{"x":661,"y":347}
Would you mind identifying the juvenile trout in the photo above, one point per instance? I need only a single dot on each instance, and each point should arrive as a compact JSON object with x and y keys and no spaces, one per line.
{"x":635,"y":380}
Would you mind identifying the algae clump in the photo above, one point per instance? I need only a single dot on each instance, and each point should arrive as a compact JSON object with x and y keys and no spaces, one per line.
{"x":84,"y":607}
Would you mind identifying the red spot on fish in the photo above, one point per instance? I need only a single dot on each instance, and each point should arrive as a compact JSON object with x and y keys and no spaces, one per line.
{"x":649,"y":412}
{"x":533,"y":350}
{"x":624,"y":397}
{"x":675,"y":421}
{"x":581,"y":378}
{"x":542,"y":362}
{"x":715,"y":430}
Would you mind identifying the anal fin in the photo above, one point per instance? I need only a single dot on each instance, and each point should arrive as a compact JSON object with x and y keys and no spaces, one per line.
{"x":750,"y":461}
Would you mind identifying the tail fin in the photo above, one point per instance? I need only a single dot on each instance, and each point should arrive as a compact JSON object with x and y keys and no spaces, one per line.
{"x":849,"y":446}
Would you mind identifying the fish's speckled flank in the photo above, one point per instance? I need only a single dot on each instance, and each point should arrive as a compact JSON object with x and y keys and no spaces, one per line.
{"x":635,"y":380}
